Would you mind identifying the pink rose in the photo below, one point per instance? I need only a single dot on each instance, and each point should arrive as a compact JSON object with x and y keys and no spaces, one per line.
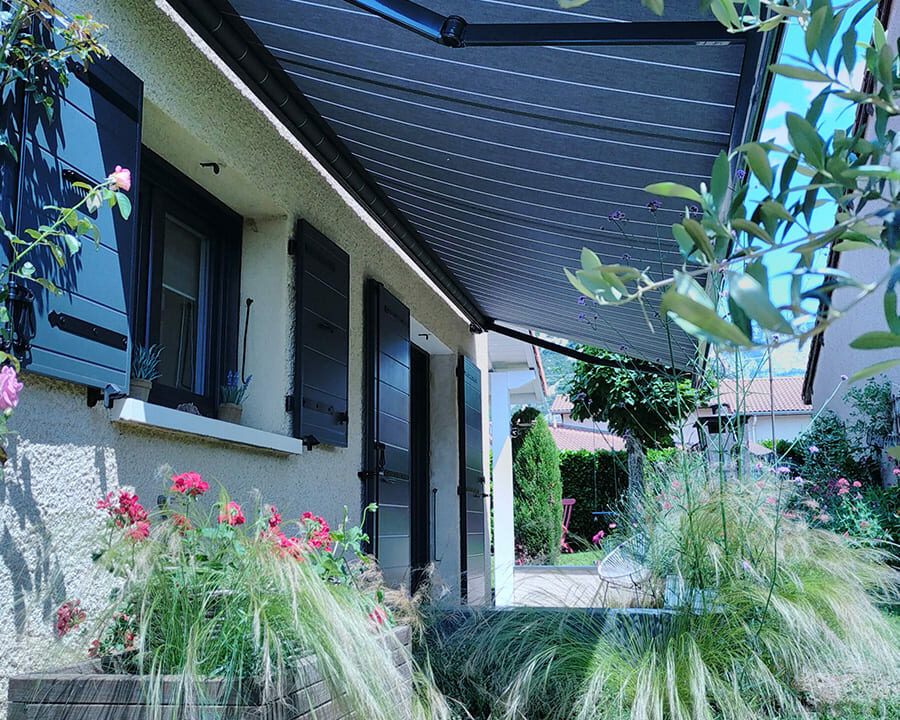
{"x":120,"y":178}
{"x":9,"y":389}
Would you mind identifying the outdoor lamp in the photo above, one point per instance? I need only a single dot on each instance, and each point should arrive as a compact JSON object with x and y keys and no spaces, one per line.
{"x":20,"y":306}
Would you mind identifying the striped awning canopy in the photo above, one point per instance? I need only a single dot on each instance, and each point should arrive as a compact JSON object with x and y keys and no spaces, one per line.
{"x":501,"y":163}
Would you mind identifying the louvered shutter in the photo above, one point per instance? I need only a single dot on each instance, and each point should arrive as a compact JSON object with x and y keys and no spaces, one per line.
{"x":387,"y":437}
{"x":472,"y":491}
{"x":322,"y":283}
{"x":83,"y":334}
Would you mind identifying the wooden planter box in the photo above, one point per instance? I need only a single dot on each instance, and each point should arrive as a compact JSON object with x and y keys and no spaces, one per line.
{"x":84,"y":692}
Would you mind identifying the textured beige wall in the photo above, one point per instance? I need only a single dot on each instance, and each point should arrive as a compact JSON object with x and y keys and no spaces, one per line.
{"x":67,"y":454}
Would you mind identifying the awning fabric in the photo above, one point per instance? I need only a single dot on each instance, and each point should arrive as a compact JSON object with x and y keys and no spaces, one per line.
{"x":507,"y":161}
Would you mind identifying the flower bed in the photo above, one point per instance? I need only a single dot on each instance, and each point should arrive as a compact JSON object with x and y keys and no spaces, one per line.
{"x":226,"y":611}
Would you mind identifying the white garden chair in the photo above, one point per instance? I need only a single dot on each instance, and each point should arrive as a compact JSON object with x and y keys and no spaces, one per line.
{"x":625,"y":565}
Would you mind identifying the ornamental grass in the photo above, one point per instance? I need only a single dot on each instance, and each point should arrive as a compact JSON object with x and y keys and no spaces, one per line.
{"x":765,"y":605}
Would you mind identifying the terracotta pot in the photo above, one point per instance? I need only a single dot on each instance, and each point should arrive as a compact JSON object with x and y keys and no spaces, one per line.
{"x":229,"y":412}
{"x":139,"y":389}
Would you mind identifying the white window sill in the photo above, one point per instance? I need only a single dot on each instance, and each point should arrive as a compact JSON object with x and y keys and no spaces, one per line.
{"x":136,"y":412}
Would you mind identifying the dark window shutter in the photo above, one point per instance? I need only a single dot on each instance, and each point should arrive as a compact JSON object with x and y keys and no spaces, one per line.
{"x":83,"y":334}
{"x":471,"y":485}
{"x":322,"y":279}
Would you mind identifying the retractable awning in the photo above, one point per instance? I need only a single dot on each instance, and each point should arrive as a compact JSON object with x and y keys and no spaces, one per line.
{"x":494,"y":166}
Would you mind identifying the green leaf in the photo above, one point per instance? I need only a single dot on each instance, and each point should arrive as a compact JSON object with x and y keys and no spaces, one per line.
{"x":752,"y":229}
{"x":670,"y":189}
{"x":589,"y":259}
{"x":848,"y":48}
{"x":566,"y":4}
{"x":45,"y":283}
{"x":725,"y":13}
{"x":655,"y":6}
{"x":758,"y":162}
{"x":58,"y":255}
{"x":814,"y":29}
{"x":578,"y":285}
{"x":685,"y":242}
{"x":699,"y":320}
{"x":699,"y":236}
{"x":754,"y":300}
{"x":876,"y":341}
{"x":72,"y":243}
{"x":799,"y":73}
{"x":873,"y":370}
{"x":124,"y":205}
{"x":879,"y":39}
{"x":718,"y":184}
{"x":806,"y":140}
{"x":850,"y":245}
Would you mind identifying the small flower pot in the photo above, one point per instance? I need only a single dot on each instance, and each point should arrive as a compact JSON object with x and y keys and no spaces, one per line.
{"x":139,"y":389}
{"x":229,"y":412}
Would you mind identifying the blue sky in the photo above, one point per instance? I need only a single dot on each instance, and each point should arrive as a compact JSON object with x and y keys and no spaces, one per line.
{"x":790,"y":95}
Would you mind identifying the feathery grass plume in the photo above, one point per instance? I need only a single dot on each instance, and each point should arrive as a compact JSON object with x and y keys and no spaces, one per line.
{"x":760,"y":601}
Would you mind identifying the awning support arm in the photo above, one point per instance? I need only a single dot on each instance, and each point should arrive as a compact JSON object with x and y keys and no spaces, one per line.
{"x":630,"y":363}
{"x":453,"y":31}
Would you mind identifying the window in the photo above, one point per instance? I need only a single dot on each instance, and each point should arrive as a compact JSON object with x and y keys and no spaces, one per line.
{"x":186,"y":285}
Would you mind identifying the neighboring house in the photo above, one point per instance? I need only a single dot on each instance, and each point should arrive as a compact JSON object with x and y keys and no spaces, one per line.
{"x":831,"y":359}
{"x":382,"y":204}
{"x":572,"y":434}
{"x":762,"y":407}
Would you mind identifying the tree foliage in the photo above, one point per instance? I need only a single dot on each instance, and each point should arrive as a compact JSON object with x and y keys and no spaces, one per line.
{"x":537,"y":488}
{"x":632,"y":401}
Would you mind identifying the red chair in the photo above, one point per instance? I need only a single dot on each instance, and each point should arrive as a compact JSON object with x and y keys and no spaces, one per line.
{"x":567,"y":504}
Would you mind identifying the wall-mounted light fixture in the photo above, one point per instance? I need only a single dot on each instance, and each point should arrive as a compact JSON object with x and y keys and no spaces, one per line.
{"x":20,"y":306}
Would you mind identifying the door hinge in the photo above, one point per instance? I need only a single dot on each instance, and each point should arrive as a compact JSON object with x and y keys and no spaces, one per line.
{"x":292,"y":245}
{"x":289,"y":403}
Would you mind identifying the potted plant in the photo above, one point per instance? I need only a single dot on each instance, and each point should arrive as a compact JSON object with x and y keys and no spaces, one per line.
{"x":144,"y":370}
{"x":218,"y":613}
{"x":232,"y":395}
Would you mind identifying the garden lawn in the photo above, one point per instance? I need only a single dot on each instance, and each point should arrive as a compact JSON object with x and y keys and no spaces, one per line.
{"x":586,"y":557}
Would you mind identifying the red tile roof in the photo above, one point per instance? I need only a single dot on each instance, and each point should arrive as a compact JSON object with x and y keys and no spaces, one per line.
{"x":561,"y":405}
{"x":754,"y":396}
{"x":567,"y":438}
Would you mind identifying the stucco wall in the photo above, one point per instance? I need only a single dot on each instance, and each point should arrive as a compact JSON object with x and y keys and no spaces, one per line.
{"x":67,"y":454}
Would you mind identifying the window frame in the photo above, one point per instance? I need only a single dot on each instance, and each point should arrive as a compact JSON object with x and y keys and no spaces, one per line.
{"x":165,"y":190}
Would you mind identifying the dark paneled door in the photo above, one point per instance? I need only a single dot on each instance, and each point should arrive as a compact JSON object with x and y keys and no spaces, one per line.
{"x":471,"y":485}
{"x":387,"y":442}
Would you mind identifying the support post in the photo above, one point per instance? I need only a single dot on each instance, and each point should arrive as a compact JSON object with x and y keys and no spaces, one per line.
{"x":501,"y":460}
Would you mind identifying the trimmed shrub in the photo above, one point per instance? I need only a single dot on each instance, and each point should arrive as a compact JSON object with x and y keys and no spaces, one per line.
{"x":597,"y":480}
{"x":537,"y":490}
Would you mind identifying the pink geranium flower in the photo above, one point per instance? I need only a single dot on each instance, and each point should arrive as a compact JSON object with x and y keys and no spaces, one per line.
{"x":274,"y":517}
{"x":232,"y":514}
{"x":190,"y":484}
{"x":857,"y":483}
{"x":9,"y":389}
{"x":68,"y":616}
{"x":139,"y":531}
{"x":120,"y":178}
